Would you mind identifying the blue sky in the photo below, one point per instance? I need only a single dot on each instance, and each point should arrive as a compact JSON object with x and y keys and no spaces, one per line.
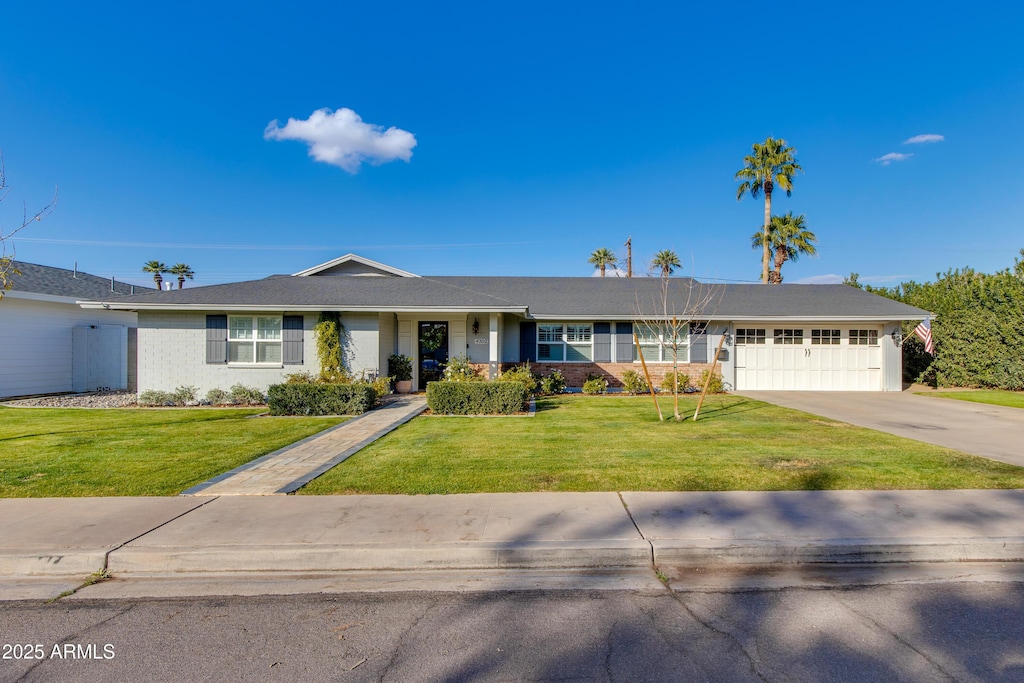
{"x":541,"y":132}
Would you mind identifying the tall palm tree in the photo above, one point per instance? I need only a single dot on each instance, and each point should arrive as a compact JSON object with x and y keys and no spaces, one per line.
{"x":182,"y":270}
{"x":667,"y":261}
{"x":602,"y":258}
{"x":771,"y":163}
{"x":788,"y":239}
{"x":157,"y":268}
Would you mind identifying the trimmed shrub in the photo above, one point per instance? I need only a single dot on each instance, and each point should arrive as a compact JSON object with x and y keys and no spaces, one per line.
{"x":152,"y":397}
{"x":320,"y":399}
{"x":553,"y":383}
{"x":459,"y":370}
{"x":476,"y":398}
{"x":217,"y":397}
{"x":247,"y":396}
{"x":595,"y":385}
{"x":521,"y":374}
{"x":668,"y":384}
{"x":716,"y":386}
{"x":185,"y":396}
{"x":634,"y":383}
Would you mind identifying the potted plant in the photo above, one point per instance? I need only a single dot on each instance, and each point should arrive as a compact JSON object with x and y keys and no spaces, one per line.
{"x":400,"y":367}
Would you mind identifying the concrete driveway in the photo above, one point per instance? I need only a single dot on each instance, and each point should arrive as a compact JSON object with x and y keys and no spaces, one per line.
{"x":990,"y":431}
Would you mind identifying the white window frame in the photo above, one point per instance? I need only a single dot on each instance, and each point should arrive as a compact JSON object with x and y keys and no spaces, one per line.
{"x":255,"y":332}
{"x":861,"y":337}
{"x":825,"y":336}
{"x":751,"y":335}
{"x":788,"y":336}
{"x":656,"y":338}
{"x":578,"y":336}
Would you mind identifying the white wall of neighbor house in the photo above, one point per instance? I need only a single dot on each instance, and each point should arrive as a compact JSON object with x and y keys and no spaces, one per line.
{"x":36,"y":346}
{"x":172,"y":353}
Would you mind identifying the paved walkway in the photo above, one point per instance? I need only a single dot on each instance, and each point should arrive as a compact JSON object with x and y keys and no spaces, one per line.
{"x":291,"y":467}
{"x":995,"y":432}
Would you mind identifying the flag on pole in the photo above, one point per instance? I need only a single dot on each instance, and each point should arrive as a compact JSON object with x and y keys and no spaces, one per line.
{"x":924,"y":331}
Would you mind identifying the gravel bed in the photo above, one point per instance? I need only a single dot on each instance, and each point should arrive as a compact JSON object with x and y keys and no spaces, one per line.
{"x":97,"y":399}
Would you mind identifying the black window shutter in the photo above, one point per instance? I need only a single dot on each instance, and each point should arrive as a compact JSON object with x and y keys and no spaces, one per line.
{"x":602,"y":342}
{"x":291,"y":340}
{"x":216,"y":339}
{"x":527,"y":342}
{"x":623,"y":342}
{"x":698,"y":343}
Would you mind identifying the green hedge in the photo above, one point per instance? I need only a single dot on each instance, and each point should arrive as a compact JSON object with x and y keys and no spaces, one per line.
{"x":320,"y":399}
{"x":476,"y":398}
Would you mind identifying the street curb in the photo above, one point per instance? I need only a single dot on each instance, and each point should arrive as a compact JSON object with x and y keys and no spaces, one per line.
{"x":15,"y":562}
{"x":432,"y":556}
{"x":837,"y":551}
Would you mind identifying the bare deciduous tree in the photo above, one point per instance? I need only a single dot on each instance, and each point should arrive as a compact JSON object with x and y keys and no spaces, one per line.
{"x":667,"y":316}
{"x":8,"y":268}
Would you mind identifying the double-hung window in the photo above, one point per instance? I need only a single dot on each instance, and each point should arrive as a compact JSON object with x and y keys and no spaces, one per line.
{"x":565,"y":341}
{"x":656,"y":344}
{"x":254,"y":339}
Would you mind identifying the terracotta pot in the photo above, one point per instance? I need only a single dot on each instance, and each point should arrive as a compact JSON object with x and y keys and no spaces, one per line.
{"x":403,"y":386}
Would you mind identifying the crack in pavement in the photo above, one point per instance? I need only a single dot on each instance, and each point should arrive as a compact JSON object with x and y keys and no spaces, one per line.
{"x":401,"y":638}
{"x":76,"y":636}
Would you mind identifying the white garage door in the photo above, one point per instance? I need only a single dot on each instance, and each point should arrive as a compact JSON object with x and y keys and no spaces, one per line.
{"x":808,"y":358}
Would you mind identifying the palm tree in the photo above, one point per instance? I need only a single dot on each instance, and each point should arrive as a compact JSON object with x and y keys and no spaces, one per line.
{"x":602,"y":258}
{"x":182,"y":270}
{"x":788,"y":238}
{"x":667,"y":261}
{"x":771,"y":163}
{"x":157,"y":268}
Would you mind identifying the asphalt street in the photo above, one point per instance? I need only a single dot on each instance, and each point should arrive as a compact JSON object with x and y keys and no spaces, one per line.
{"x":944,"y":631}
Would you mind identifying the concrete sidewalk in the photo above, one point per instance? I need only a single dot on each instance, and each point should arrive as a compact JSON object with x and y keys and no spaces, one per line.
{"x":67,"y":539}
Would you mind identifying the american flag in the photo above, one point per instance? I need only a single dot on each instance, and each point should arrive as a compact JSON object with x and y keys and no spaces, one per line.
{"x":924,"y":331}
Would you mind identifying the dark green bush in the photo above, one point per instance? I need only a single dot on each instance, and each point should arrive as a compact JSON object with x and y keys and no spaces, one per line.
{"x":320,"y":399}
{"x":476,"y":398}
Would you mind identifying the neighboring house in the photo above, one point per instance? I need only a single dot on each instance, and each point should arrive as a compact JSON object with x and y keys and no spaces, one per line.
{"x":254,"y":333}
{"x":49,"y":344}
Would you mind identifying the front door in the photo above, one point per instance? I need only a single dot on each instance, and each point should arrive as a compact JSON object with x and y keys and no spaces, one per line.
{"x":433,"y":355}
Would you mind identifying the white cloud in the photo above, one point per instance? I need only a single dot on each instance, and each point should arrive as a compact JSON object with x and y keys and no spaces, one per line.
{"x":343,"y":139}
{"x":820,"y":280}
{"x":609,"y":271}
{"x":922,"y":139}
{"x":887,"y":159}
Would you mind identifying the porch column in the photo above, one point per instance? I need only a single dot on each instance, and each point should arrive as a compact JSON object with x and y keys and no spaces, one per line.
{"x":494,"y":346}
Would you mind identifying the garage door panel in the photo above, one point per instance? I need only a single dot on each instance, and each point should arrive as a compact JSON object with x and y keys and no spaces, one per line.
{"x":821,"y":367}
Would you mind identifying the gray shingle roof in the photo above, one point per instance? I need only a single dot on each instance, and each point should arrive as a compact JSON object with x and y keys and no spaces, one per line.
{"x":37,"y":279}
{"x":543,"y":297}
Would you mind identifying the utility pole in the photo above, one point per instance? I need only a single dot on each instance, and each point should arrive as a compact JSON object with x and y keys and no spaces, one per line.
{"x":629,"y":256}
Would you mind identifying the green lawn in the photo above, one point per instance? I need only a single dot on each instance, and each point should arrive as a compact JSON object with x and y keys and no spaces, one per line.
{"x":127,"y":452}
{"x":1012,"y":399}
{"x":578,"y":443}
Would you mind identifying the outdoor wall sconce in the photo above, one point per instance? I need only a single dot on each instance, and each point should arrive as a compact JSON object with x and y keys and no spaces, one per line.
{"x":476,"y":325}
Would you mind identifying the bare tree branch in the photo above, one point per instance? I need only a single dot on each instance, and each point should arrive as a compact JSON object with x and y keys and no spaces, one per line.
{"x":7,"y":266}
{"x":680,"y":307}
